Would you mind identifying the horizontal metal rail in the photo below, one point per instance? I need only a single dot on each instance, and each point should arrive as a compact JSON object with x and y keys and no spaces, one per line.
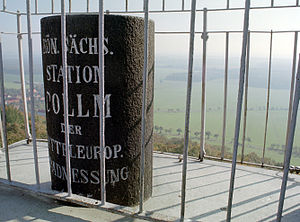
{"x":225,"y":31}
{"x":187,"y":33}
{"x":210,"y":10}
{"x":162,"y":10}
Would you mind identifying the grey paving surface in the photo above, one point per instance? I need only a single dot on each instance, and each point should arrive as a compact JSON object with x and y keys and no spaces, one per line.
{"x":19,"y":206}
{"x":255,"y":198}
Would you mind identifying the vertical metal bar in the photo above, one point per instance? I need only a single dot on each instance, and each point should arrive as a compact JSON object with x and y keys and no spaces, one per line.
{"x":290,"y":145}
{"x":239,"y":107}
{"x":2,"y":133}
{"x":272,"y":3}
{"x":4,"y":138}
{"x":203,"y":96}
{"x":144,"y":105}
{"x":36,"y":6}
{"x":126,"y":5}
{"x":87,"y":5}
{"x":22,"y":76}
{"x":101,"y":94}
{"x":188,"y":108}
{"x":297,"y":2}
{"x":228,"y":4}
{"x":163,"y":5}
{"x":4,"y":5}
{"x":52,"y":6}
{"x":65,"y":96}
{"x":225,"y":96}
{"x":246,"y":99}
{"x":30,"y":56}
{"x":292,"y":89}
{"x":70,"y":6}
{"x":182,"y":5}
{"x":268,"y":99}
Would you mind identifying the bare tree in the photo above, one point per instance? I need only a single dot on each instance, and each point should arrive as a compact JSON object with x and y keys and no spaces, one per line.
{"x":197,"y":134}
{"x":179,"y":131}
{"x":207,"y":134}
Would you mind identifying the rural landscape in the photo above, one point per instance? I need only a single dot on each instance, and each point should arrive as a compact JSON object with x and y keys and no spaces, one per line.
{"x":169,"y":108}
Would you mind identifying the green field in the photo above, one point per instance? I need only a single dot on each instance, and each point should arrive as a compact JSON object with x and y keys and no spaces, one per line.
{"x":12,"y":81}
{"x":170,"y":99}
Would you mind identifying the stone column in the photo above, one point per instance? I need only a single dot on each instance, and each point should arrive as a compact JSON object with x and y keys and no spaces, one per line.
{"x":124,"y":48}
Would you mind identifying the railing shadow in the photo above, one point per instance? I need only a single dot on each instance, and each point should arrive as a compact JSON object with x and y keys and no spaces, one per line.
{"x":255,"y":198}
{"x":23,"y":207}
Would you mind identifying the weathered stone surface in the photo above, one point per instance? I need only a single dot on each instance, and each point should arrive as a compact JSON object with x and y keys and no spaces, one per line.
{"x":124,"y":48}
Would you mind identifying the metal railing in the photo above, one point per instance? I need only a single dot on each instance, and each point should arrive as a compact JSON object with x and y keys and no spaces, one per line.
{"x":243,"y":88}
{"x":164,"y":3}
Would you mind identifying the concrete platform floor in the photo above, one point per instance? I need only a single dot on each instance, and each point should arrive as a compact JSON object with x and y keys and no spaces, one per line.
{"x":18,"y":206}
{"x":255,"y":198}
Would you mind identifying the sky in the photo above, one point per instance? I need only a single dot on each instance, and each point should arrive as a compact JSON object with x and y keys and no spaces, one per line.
{"x":170,"y":45}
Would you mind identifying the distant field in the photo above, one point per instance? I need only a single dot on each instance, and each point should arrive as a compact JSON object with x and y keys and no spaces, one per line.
{"x":170,"y":98}
{"x":12,"y":80}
